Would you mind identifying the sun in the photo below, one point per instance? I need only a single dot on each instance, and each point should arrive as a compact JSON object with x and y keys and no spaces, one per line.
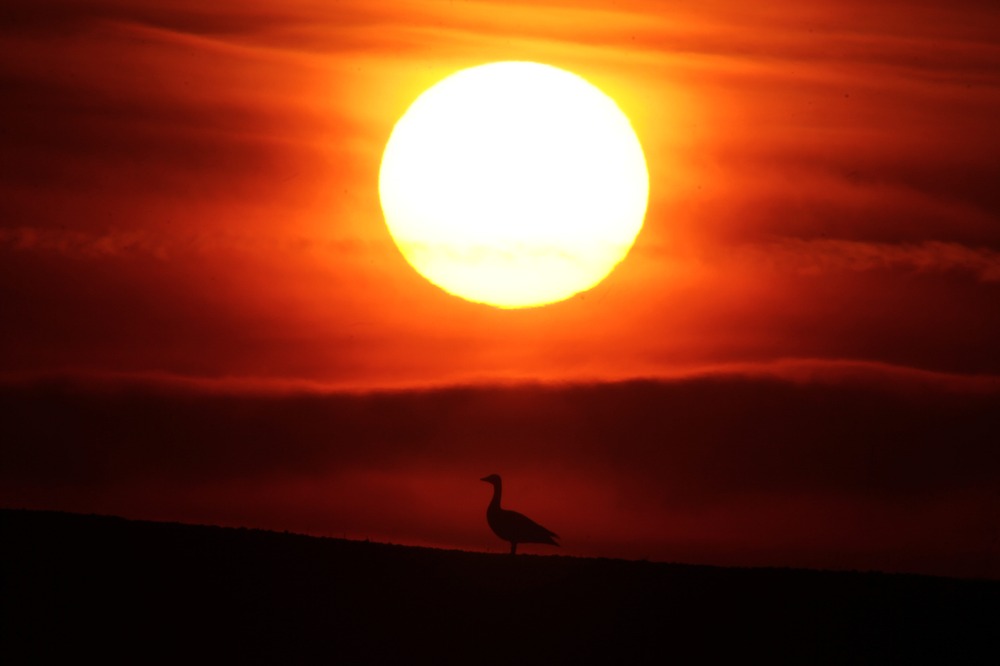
{"x":514,"y":184}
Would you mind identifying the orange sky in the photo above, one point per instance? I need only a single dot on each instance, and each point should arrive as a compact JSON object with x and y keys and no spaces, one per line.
{"x":188,"y":193}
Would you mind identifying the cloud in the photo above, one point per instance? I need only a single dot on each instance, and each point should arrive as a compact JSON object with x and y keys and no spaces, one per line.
{"x":833,"y":256}
{"x":828,"y":467}
{"x":190,"y":189}
{"x":143,"y":243}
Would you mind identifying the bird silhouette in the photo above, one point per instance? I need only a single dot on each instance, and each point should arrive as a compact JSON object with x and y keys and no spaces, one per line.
{"x":511,"y":525}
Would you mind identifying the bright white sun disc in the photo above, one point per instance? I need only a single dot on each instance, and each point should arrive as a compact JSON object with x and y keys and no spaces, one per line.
{"x":514,"y":184}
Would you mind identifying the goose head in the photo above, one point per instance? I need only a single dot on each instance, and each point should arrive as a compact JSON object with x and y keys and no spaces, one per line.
{"x":492,"y":478}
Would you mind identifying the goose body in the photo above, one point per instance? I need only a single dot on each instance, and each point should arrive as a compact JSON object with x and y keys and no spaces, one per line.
{"x":512,"y":526}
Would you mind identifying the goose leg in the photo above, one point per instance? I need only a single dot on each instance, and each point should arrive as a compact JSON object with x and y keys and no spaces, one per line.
{"x":513,"y":548}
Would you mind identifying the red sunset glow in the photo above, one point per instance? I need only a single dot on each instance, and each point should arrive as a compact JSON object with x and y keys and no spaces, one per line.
{"x":206,"y":319}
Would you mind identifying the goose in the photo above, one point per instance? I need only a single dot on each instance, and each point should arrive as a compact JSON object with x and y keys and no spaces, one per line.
{"x":511,"y":525}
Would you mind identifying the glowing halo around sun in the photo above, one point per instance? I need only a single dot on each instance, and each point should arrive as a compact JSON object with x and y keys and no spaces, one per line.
{"x":514,"y":184}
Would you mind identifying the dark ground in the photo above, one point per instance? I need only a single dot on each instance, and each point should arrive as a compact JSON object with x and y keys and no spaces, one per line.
{"x":98,"y":588}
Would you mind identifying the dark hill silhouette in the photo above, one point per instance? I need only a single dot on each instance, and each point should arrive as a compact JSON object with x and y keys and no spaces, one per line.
{"x":76,"y":587}
{"x":510,"y":525}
